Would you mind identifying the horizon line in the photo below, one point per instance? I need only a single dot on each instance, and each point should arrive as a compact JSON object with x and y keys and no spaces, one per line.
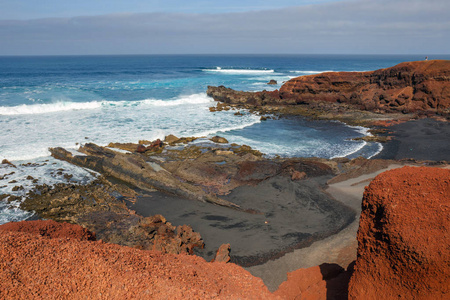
{"x":230,"y":54}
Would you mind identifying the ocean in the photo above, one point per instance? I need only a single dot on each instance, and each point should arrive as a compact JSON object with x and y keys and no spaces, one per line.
{"x":51,"y":101}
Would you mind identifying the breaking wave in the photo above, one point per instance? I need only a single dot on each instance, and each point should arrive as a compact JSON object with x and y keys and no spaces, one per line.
{"x":32,"y":109}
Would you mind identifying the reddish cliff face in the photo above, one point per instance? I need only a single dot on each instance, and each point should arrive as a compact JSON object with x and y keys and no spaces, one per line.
{"x":33,"y":266}
{"x":404,"y":237}
{"x":406,"y":87}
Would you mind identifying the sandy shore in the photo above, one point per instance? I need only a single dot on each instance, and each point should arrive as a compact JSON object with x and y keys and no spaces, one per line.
{"x":339,"y":248}
{"x":288,"y":214}
{"x":426,"y":139}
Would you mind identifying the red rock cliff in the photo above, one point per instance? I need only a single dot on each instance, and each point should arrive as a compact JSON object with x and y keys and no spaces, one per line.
{"x":407,"y":87}
{"x":404,"y":237}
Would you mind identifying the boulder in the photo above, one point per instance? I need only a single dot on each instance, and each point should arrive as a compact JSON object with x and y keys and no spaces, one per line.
{"x":131,"y":147}
{"x":219,"y":140}
{"x":272,"y":82}
{"x":404,"y":236}
{"x":7,"y":162}
{"x":171,"y":139}
{"x":223,"y":254}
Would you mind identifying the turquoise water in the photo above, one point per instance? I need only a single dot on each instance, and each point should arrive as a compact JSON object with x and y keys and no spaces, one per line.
{"x":64,"y":101}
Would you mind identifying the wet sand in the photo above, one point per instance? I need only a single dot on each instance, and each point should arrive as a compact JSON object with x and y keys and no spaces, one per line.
{"x":289,"y":214}
{"x":426,"y":139}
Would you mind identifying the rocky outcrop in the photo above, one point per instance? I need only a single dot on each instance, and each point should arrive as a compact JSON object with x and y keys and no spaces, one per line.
{"x":407,"y":87}
{"x":134,"y":169}
{"x":96,"y":207}
{"x":403,"y":236}
{"x":201,"y":173}
{"x":233,"y":172}
{"x":223,"y":254}
{"x":37,"y":267}
{"x":230,"y":96}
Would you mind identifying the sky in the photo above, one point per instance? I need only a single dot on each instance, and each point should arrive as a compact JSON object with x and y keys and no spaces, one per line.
{"x":61,"y":27}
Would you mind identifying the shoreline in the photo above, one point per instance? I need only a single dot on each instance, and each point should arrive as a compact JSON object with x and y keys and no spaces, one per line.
{"x":424,"y":139}
{"x":259,"y":237}
{"x":339,"y":248}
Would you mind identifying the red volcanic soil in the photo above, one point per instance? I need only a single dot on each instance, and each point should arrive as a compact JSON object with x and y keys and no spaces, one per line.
{"x":404,"y":237}
{"x":51,"y":229}
{"x":406,"y":87}
{"x":327,"y":281}
{"x":33,"y":266}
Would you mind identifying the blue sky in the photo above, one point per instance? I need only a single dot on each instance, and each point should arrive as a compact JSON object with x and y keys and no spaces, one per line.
{"x":49,"y":27}
{"x":32,"y":9}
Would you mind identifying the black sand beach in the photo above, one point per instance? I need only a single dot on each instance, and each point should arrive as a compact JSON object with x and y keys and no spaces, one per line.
{"x":426,"y":139}
{"x":290,"y":214}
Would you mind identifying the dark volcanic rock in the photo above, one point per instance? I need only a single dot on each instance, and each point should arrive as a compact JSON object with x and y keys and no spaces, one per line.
{"x":134,"y":169}
{"x":94,"y":207}
{"x":219,"y":140}
{"x":250,"y":99}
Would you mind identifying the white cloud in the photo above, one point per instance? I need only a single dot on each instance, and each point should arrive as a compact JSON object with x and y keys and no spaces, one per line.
{"x":362,"y":26}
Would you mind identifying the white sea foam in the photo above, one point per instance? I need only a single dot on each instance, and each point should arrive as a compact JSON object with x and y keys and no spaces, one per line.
{"x":380,"y":148}
{"x":362,"y":130}
{"x":227,"y":129}
{"x":73,"y":106}
{"x":238,"y":71}
{"x":191,"y":99}
{"x":350,"y":151}
{"x":47,"y":108}
{"x":42,"y":171}
{"x":10,"y":212}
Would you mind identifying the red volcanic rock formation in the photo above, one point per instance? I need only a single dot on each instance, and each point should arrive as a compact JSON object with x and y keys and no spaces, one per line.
{"x":37,"y":267}
{"x":404,"y":237}
{"x":408,"y":87}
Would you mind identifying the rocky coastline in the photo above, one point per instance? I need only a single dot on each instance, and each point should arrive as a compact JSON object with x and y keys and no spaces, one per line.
{"x":279,"y":205}
{"x":74,"y":265}
{"x":410,"y":88}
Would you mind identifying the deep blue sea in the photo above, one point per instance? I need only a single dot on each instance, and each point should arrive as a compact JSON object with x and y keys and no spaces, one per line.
{"x":51,"y":101}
